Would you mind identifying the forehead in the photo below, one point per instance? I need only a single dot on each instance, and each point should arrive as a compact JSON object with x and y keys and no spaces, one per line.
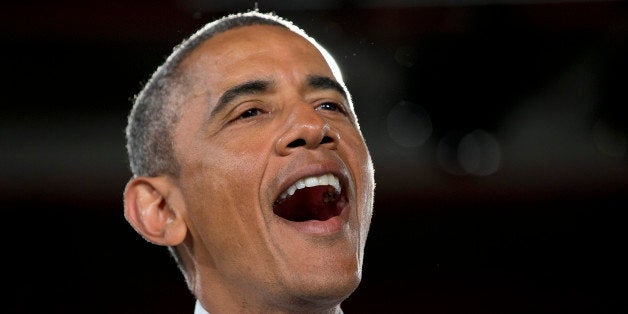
{"x":256,"y":50}
{"x":255,"y":36}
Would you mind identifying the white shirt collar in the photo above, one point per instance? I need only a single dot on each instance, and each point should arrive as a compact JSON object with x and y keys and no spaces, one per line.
{"x":198,"y":308}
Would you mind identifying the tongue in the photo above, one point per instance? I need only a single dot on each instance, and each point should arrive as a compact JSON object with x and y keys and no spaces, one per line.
{"x":313,"y":203}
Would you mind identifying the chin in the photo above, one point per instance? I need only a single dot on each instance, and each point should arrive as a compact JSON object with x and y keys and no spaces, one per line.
{"x":326,"y":291}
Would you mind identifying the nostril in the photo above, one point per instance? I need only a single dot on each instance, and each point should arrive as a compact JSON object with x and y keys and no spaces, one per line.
{"x":297,"y":143}
{"x":327,"y":139}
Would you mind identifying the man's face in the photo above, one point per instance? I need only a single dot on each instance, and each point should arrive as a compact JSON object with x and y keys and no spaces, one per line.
{"x":263,"y":116}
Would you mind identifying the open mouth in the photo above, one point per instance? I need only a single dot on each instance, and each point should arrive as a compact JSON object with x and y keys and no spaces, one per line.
{"x":311,"y":198}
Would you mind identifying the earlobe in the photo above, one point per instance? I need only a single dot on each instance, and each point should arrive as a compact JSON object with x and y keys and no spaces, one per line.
{"x":151,"y":212}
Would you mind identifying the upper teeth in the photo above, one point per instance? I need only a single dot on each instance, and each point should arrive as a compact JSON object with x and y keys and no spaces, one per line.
{"x":326,"y":179}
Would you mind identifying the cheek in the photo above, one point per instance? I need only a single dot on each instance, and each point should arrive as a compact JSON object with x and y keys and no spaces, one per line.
{"x":222,"y":192}
{"x":360,"y":163}
{"x":356,"y":149}
{"x":230,"y":172}
{"x":242,"y":157}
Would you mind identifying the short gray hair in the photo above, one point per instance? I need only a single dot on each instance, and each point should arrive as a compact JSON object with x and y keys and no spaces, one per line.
{"x":149,"y":132}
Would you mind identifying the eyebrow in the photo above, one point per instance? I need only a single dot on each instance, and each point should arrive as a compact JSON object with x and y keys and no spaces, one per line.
{"x":324,"y":82}
{"x":246,"y":88}
{"x":260,"y":86}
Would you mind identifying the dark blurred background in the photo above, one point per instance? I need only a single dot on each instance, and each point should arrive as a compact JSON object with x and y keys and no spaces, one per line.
{"x":499,"y":132}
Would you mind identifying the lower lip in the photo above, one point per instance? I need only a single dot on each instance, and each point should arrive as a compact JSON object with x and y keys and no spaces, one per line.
{"x":320,"y":228}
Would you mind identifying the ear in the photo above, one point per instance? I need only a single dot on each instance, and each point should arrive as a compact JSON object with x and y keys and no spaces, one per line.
{"x":149,"y":206}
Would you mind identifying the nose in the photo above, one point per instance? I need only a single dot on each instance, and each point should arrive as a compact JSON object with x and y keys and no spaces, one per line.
{"x":306,"y":129}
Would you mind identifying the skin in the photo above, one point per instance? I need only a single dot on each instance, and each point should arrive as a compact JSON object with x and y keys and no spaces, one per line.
{"x":237,"y":158}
